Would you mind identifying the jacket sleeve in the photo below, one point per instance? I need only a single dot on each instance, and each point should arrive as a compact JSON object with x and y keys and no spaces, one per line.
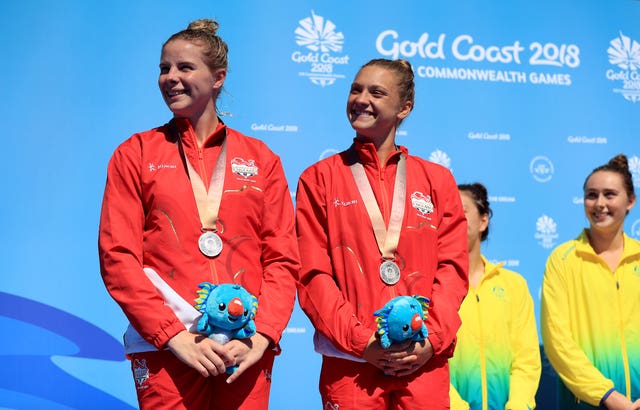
{"x":575,"y":369}
{"x":280,"y":260}
{"x":451,"y":278}
{"x":319,"y":296}
{"x":526,"y":366}
{"x":120,"y":241}
{"x":456,"y":401}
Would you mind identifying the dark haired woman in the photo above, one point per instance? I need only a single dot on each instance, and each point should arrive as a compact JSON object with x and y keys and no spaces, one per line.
{"x":590,"y":317}
{"x":496,"y":364}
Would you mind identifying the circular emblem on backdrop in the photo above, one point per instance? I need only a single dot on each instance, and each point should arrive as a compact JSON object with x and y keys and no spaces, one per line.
{"x":635,"y":229}
{"x":541,"y":168}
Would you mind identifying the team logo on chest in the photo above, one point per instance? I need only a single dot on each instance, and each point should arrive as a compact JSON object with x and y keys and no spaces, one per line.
{"x":422,"y":203}
{"x":245,"y":168}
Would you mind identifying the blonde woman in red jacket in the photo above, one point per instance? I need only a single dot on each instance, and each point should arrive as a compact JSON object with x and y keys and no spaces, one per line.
{"x":375,"y":222}
{"x":189,"y":202}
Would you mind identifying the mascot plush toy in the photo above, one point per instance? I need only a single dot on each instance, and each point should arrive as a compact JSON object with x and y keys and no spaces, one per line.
{"x":402,"y":318}
{"x":227,"y":313}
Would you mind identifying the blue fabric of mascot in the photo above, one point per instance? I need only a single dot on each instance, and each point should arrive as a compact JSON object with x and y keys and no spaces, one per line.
{"x":401,"y":319}
{"x":227,"y":311}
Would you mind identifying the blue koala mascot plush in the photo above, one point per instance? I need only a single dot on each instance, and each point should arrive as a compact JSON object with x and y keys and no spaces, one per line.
{"x":227,"y":311}
{"x":402,"y":318}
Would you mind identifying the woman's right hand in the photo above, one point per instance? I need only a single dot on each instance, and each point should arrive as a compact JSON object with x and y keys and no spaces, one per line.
{"x":203,"y":354}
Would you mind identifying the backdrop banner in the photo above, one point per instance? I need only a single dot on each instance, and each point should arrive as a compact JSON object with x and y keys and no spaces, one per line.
{"x":524,"y":97}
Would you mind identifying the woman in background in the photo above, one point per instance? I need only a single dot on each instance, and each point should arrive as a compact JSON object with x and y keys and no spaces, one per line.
{"x":590,"y":316}
{"x":496,"y":365}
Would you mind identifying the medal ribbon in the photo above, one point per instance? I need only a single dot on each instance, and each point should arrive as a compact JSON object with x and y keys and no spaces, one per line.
{"x":386,"y":237}
{"x":207,"y":200}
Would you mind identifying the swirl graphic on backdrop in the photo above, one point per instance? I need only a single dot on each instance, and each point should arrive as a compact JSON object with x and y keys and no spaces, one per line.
{"x":45,"y":344}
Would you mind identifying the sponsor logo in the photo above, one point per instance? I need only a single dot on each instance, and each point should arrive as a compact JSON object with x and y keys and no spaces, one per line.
{"x":156,"y":167}
{"x":440,"y":157}
{"x":321,"y":46}
{"x":541,"y":168}
{"x":337,"y":202}
{"x":624,"y":53}
{"x":422,"y":203}
{"x":246,"y":169}
{"x":546,"y":232}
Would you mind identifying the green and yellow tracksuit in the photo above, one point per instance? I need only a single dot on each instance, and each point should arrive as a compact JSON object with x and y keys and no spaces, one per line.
{"x":496,"y":364}
{"x":590,"y":322}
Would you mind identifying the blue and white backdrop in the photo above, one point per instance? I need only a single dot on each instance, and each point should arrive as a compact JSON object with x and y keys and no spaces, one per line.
{"x":526,"y":97}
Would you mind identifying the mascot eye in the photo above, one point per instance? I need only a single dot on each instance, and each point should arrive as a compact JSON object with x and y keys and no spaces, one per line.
{"x":246,"y":312}
{"x":405,"y":327}
{"x":222,"y":306}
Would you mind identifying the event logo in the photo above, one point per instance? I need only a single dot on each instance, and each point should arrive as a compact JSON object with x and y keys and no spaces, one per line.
{"x":541,"y":168}
{"x":499,"y":61}
{"x":635,"y":229}
{"x":440,"y":157}
{"x":322,"y":45}
{"x":625,"y":54}
{"x":546,"y":232}
{"x":634,"y":167}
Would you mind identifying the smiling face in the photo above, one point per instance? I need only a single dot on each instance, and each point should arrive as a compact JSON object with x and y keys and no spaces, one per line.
{"x":374,"y":106}
{"x":188,"y":86}
{"x":606,"y":201}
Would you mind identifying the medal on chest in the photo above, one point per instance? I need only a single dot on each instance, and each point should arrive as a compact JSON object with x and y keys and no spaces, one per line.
{"x":387,"y":237}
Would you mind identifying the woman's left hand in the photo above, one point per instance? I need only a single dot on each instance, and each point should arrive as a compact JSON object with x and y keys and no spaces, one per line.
{"x":247,"y":353}
{"x":406,"y":358}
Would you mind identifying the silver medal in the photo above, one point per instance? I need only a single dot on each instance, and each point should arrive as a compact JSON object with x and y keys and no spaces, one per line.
{"x":210,"y":244}
{"x":389,"y":272}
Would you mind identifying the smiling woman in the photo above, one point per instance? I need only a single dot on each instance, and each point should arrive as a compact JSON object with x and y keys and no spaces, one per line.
{"x":174,"y":201}
{"x":418,"y":246}
{"x":592,"y":342}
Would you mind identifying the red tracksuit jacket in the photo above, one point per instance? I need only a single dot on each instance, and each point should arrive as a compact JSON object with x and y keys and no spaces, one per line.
{"x":150,"y":219}
{"x":339,"y":286}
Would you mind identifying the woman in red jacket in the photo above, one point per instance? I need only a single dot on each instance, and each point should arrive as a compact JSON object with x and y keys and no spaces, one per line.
{"x":375,"y":222}
{"x":189,"y":202}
